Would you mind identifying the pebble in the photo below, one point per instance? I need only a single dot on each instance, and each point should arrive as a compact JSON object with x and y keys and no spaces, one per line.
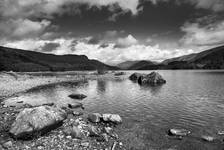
{"x":85,"y":144}
{"x":7,"y":144}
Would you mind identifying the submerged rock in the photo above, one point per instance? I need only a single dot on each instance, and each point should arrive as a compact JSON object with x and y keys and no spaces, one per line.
{"x":94,"y":117}
{"x":39,"y":120}
{"x":179,"y":132}
{"x":207,"y":138}
{"x":114,"y":118}
{"x":153,"y":78}
{"x":77,"y":96}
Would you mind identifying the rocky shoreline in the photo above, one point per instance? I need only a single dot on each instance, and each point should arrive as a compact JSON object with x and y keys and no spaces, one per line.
{"x":98,"y":135}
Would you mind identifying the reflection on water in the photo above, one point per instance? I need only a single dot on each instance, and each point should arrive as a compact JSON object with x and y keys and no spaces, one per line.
{"x":193,"y":100}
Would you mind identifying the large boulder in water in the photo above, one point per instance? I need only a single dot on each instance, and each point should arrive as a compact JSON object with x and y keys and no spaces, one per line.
{"x":38,"y":120}
{"x":154,"y":78}
{"x":135,"y":76}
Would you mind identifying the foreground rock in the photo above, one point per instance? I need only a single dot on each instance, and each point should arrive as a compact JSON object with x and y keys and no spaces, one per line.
{"x":179,"y":132}
{"x":153,"y":78}
{"x":38,"y":120}
{"x":114,"y":118}
{"x":77,"y":96}
{"x":94,"y":117}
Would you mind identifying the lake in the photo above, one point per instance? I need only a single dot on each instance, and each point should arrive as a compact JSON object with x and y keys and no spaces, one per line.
{"x":191,"y":99}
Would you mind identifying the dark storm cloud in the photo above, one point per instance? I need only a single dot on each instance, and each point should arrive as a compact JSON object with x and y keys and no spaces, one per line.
{"x":131,"y":29}
{"x":48,"y":47}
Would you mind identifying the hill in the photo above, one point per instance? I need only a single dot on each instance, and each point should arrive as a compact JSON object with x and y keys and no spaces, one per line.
{"x":137,"y":65}
{"x":30,"y":61}
{"x":209,"y":59}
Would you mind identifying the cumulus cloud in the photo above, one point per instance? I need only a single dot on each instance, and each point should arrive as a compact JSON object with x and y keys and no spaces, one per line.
{"x":199,"y":35}
{"x":22,"y":28}
{"x":107,"y":53}
{"x":125,"y":42}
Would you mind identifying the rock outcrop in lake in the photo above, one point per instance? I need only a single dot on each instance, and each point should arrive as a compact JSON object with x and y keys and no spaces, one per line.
{"x":154,"y":78}
{"x":39,"y":120}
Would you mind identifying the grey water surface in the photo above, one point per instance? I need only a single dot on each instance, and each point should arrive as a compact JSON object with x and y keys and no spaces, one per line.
{"x":191,"y":99}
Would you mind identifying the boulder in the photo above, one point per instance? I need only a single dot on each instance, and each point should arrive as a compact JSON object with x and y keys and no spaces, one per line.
{"x":114,"y":118}
{"x":75,"y":105}
{"x":77,"y":96}
{"x":94,"y":117}
{"x":179,"y":132}
{"x":135,"y":76}
{"x":38,"y":120}
{"x":153,"y":78}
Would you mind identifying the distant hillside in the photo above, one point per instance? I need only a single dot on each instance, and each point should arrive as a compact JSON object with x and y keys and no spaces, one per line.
{"x":209,"y":59}
{"x":137,"y":65}
{"x":29,"y":61}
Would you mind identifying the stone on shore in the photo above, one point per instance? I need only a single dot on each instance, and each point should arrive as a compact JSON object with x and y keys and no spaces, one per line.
{"x":154,"y":78}
{"x":74,"y":132}
{"x":179,"y":132}
{"x":38,"y":120}
{"x":77,"y":96}
{"x":114,"y":118}
{"x":94,"y":117}
{"x":208,"y":138}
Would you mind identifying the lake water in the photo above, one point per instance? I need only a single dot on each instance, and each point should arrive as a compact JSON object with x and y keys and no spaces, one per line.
{"x":192,"y":100}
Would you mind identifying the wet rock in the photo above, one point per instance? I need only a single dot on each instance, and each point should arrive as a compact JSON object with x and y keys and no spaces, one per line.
{"x":75,"y":105}
{"x":114,"y":118}
{"x":153,"y":78}
{"x":94,"y":131}
{"x":39,"y":120}
{"x":76,"y":113}
{"x":207,"y":138}
{"x":7,"y":144}
{"x":77,"y":96}
{"x":135,"y":76}
{"x":179,"y":132}
{"x":94,"y":117}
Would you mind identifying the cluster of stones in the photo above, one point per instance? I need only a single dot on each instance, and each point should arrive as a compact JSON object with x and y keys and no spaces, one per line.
{"x":180,"y":133}
{"x":92,"y":132}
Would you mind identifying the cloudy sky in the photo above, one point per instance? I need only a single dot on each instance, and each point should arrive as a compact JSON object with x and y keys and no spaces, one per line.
{"x":113,"y":31}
